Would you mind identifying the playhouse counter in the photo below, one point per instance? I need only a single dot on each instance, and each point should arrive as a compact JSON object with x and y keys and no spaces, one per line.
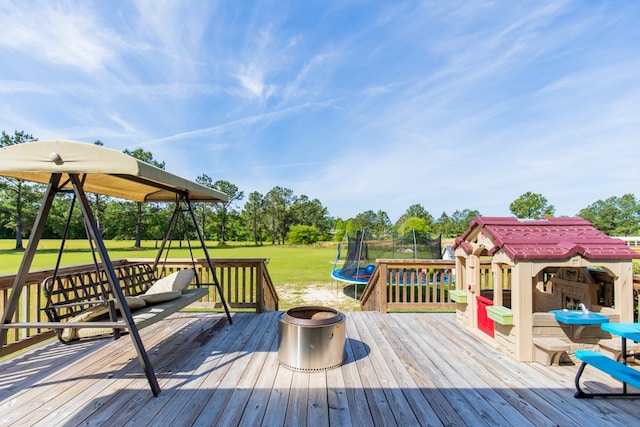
{"x":577,"y":317}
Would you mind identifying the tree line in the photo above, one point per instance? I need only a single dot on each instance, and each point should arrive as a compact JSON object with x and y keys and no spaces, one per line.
{"x":277,"y":217}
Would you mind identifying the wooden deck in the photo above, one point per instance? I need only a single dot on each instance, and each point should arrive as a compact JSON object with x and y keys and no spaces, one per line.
{"x":401,"y":369}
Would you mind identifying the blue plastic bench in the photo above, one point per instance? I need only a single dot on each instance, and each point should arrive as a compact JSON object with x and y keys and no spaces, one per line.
{"x":619,"y":371}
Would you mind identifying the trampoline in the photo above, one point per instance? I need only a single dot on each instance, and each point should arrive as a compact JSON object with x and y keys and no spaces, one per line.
{"x":356,"y":258}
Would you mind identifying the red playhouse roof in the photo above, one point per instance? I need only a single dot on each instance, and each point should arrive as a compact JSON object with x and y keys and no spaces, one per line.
{"x":548,"y":238}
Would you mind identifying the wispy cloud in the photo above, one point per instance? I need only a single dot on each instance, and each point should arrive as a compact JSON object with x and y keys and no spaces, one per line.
{"x":22,"y":87}
{"x":245,"y":121}
{"x":176,"y":34}
{"x":252,"y":67}
{"x":300,"y":86}
{"x":59,"y":33}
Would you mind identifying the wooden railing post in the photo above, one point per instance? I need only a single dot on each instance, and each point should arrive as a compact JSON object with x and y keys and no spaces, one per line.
{"x":382,"y":288}
{"x":260,"y":304}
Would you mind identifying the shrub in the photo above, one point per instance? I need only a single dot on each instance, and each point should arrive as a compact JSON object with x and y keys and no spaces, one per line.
{"x":303,"y":235}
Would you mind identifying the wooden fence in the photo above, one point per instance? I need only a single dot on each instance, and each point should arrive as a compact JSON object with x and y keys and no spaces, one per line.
{"x":245,"y":284}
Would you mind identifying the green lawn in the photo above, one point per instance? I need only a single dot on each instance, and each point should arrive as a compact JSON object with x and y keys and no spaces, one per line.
{"x":287,"y":264}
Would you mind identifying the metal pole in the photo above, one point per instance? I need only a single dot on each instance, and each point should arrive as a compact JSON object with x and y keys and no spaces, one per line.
{"x":206,"y":254}
{"x":92,"y":227}
{"x":167,"y":235}
{"x":27,"y":259}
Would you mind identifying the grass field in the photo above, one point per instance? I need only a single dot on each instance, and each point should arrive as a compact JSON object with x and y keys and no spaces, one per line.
{"x":295,"y":264}
{"x":297,"y":271}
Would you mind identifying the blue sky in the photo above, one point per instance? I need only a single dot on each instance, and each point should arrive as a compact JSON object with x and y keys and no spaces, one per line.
{"x":362,"y":104}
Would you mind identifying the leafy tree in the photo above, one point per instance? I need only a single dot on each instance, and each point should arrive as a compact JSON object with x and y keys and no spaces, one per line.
{"x":382,"y":224}
{"x":120,"y":217}
{"x":339,"y":229}
{"x":277,"y":203}
{"x":6,"y":217}
{"x":532,"y":206}
{"x":444,"y":225}
{"x":17,"y":188}
{"x":629,"y":219}
{"x":350,"y":227}
{"x":204,"y":211}
{"x":420,"y":225}
{"x":253,"y":216}
{"x":274,"y":213}
{"x":158,"y":217}
{"x":461,"y":220}
{"x":615,"y":216}
{"x":414,"y":211}
{"x":58,"y":217}
{"x":310,"y":212}
{"x":19,"y":204}
{"x":235,"y":229}
{"x":303,"y":234}
{"x":146,"y":157}
{"x":365,"y":221}
{"x":224,"y":209}
{"x":99,"y":199}
{"x":454,"y":225}
{"x":377,"y":223}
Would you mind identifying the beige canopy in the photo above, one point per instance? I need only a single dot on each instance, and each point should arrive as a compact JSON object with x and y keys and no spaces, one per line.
{"x":108,"y":171}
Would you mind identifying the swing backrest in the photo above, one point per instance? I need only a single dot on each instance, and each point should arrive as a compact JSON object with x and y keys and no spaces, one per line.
{"x":70,"y":294}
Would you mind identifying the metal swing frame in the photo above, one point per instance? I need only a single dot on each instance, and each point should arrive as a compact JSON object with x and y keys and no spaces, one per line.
{"x":183,"y":205}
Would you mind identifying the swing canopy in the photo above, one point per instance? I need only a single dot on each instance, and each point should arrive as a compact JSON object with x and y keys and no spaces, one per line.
{"x":106,"y":171}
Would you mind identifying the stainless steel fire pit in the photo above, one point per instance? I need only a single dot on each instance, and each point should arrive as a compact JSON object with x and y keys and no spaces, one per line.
{"x":311,"y":338}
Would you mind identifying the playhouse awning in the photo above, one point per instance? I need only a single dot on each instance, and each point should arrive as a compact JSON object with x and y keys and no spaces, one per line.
{"x":107,"y":171}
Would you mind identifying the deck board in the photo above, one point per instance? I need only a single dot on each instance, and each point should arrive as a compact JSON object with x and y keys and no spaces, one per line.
{"x":421,"y":408}
{"x":278,"y":397}
{"x":356,"y":397}
{"x":400,"y":369}
{"x":382,"y":363}
{"x":180,"y":387}
{"x":473,"y":376}
{"x":377,"y":402}
{"x":253,"y":413}
{"x":411,"y":358}
{"x":168,"y":359}
{"x":64,"y":393}
{"x":448,"y":370}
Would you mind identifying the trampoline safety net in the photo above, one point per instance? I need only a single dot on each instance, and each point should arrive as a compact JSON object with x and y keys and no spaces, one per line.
{"x":362,"y":251}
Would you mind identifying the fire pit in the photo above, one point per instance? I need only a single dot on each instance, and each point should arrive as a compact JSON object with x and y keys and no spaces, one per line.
{"x":311,"y":338}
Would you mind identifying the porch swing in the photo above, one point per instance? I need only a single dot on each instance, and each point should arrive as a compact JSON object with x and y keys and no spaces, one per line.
{"x":73,"y":167}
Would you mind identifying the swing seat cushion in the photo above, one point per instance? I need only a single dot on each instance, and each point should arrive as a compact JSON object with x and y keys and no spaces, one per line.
{"x":94,"y":313}
{"x":155,"y":298}
{"x":177,"y":281}
{"x":152,"y":313}
{"x":69,"y":334}
{"x":133,"y":303}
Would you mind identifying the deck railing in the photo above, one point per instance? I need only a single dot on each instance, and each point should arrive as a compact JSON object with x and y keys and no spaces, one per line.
{"x":245,"y":283}
{"x":401,"y":284}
